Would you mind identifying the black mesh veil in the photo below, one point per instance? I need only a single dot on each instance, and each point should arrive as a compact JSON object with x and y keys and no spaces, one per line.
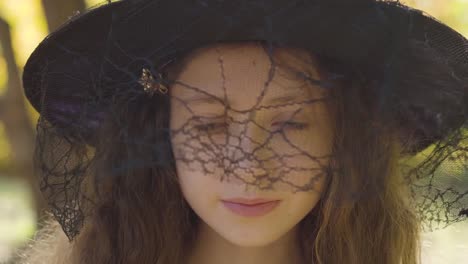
{"x":391,"y":80}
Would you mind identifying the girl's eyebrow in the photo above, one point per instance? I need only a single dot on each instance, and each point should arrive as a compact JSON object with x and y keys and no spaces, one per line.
{"x":285,"y":98}
{"x":203,"y":98}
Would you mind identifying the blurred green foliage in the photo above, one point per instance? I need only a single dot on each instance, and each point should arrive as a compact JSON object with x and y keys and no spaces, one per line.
{"x":16,"y":219}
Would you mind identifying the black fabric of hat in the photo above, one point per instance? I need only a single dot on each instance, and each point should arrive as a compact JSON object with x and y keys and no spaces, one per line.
{"x":95,"y":59}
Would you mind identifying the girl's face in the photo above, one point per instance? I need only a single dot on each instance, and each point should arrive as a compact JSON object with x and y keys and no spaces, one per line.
{"x":243,"y":127}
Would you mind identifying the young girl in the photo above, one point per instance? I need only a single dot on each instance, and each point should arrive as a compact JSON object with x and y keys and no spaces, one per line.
{"x":202,"y":132}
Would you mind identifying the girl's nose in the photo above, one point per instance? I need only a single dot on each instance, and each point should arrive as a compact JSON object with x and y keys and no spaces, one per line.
{"x":246,"y":138}
{"x":248,"y":156}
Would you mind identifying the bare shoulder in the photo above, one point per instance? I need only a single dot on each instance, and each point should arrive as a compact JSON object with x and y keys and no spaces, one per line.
{"x":50,"y":245}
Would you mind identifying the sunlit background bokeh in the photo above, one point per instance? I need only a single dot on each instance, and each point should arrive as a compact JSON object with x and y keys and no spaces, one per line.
{"x":17,"y":215}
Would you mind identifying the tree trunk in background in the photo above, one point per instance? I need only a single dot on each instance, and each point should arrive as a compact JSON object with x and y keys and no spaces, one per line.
{"x":59,"y":11}
{"x":18,"y":127}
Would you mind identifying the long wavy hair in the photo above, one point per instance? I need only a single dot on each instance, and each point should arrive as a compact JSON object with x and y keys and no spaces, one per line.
{"x":363,"y":217}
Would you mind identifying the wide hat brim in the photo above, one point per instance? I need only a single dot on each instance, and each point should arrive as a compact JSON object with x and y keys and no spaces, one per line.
{"x":101,"y":52}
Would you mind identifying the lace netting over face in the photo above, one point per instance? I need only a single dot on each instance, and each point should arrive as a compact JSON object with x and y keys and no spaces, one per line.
{"x":296,"y":109}
{"x":238,"y":118}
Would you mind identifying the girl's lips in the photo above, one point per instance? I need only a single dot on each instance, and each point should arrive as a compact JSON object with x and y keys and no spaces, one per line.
{"x":252,"y":209}
{"x":248,"y":201}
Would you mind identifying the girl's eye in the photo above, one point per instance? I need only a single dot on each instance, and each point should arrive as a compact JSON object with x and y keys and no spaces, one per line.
{"x":290,"y":125}
{"x":211,"y":127}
